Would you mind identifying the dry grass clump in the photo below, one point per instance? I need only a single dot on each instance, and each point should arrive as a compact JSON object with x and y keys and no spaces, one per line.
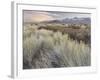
{"x":47,"y":49}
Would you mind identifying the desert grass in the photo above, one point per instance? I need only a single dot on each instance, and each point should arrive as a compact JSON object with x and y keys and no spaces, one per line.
{"x":47,"y":49}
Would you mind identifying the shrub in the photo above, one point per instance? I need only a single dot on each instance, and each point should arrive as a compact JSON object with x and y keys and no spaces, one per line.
{"x":47,"y":49}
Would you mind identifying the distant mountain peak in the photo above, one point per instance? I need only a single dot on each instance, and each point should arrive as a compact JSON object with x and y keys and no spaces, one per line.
{"x":74,"y":20}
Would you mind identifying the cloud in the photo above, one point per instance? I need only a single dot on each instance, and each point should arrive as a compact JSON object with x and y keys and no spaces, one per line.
{"x":36,"y":16}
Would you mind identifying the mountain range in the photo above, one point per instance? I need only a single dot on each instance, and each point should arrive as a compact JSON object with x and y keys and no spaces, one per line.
{"x":74,"y":20}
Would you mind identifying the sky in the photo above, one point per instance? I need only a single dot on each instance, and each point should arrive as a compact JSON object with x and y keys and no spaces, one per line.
{"x":39,"y":16}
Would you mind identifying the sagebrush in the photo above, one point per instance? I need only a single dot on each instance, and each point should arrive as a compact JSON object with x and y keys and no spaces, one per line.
{"x":47,"y":49}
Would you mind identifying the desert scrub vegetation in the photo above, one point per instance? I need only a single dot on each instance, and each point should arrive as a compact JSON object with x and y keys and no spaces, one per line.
{"x":47,"y":49}
{"x":75,"y":32}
